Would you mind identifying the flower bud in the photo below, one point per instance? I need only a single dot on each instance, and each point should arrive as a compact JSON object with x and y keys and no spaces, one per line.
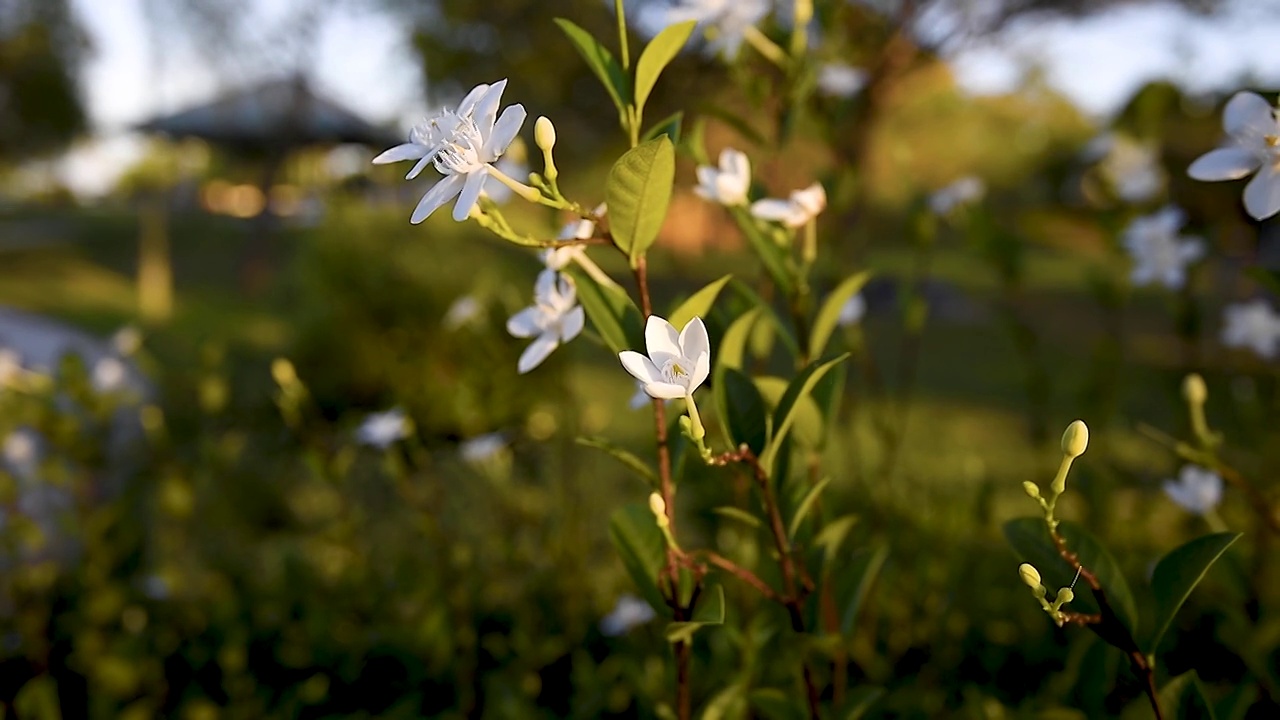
{"x":1075,"y":439}
{"x":1194,"y":390}
{"x":1033,"y":490}
{"x":1031,"y":577}
{"x":1065,"y":595}
{"x":283,"y":372}
{"x":544,"y":134}
{"x":659,"y":508}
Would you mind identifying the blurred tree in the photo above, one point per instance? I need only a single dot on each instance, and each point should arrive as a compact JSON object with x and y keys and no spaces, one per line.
{"x":42,"y":47}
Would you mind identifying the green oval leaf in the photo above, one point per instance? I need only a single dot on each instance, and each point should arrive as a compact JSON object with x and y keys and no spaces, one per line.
{"x":730,"y":355}
{"x":824,"y":325}
{"x":625,"y":457}
{"x":1178,"y":573}
{"x":656,"y":56}
{"x":611,"y":311}
{"x":808,"y":427}
{"x":745,"y":414}
{"x":806,"y":505}
{"x":788,"y":408}
{"x":638,"y":191}
{"x":636,"y":536}
{"x":669,"y":126}
{"x":601,"y":62}
{"x":738,"y":514}
{"x":698,"y":304}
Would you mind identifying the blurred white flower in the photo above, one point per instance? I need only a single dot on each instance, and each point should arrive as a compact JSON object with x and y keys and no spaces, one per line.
{"x":482,"y":447}
{"x":463,"y":311}
{"x":729,"y":184}
{"x":10,"y":367}
{"x":966,"y":190}
{"x":21,"y":452}
{"x":841,"y":80}
{"x":127,"y":340}
{"x":1160,"y":254}
{"x":109,"y":374}
{"x":1132,"y":167}
{"x":724,"y":22}
{"x":381,"y":430}
{"x":797,"y":210}
{"x":1196,"y":489}
{"x":852,"y":311}
{"x":1253,"y":325}
{"x":463,"y":144}
{"x":629,"y":612}
{"x":1253,"y":145}
{"x":554,"y":317}
{"x":677,"y":363}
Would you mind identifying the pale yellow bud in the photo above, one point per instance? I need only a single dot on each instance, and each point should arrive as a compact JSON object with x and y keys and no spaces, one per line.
{"x":1194,"y":389}
{"x":283,"y":372}
{"x":544,"y":134}
{"x":1030,"y":575}
{"x":1033,"y":490}
{"x":659,"y":508}
{"x":1065,"y":595}
{"x":1075,"y":439}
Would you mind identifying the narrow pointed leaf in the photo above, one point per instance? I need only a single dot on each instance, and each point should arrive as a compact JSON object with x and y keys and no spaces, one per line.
{"x":738,"y":514}
{"x":777,"y":262}
{"x":853,"y":584}
{"x":806,"y":505}
{"x":824,"y":325}
{"x":657,"y":55}
{"x":774,"y":704}
{"x":788,"y":408}
{"x":745,"y":415}
{"x":669,"y":126}
{"x":730,"y":355}
{"x":710,"y":611}
{"x":636,"y":536}
{"x":611,"y":311}
{"x":638,"y":191}
{"x":625,"y":457}
{"x":698,"y":304}
{"x":859,"y":702}
{"x":601,"y":62}
{"x":1178,"y":573}
{"x":808,"y":426}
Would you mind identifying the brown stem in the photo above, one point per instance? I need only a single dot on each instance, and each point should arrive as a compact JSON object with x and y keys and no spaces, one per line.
{"x":1143,"y":668}
{"x":742,"y":574}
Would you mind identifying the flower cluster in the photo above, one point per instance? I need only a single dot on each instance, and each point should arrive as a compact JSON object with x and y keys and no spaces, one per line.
{"x":1160,"y":254}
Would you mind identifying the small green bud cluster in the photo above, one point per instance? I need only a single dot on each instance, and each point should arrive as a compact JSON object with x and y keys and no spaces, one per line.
{"x":1031,"y":577}
{"x":1074,"y":442}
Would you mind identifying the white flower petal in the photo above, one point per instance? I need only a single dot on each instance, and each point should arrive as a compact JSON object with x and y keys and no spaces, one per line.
{"x":573,"y":323}
{"x":1228,"y":163}
{"x":661,"y":337}
{"x":665,"y":390}
{"x":487,"y":107}
{"x":1246,"y":112}
{"x":701,"y":369}
{"x":503,"y":133}
{"x":693,"y":339}
{"x":1262,"y":194}
{"x":421,"y":165}
{"x":525,"y":323}
{"x":441,"y":193}
{"x":407,"y":151}
{"x":773,"y":209}
{"x":537,"y":351}
{"x":470,"y":194}
{"x":469,"y":101}
{"x":640,"y":367}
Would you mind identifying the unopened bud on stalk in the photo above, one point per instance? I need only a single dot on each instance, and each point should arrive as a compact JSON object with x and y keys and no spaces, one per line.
{"x":544,"y":134}
{"x":1194,"y":389}
{"x":283,"y":372}
{"x":1033,"y":490}
{"x":1075,"y":439}
{"x":659,"y":508}
{"x":1065,"y":595}
{"x":1031,"y":577}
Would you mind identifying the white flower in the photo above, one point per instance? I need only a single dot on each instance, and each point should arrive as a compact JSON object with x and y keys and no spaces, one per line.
{"x":463,"y":144}
{"x":729,"y":184}
{"x":1159,"y":254}
{"x":127,"y":340}
{"x":1131,"y":167}
{"x":1254,"y":145}
{"x":841,"y":80}
{"x":628,"y":613}
{"x":482,"y":447}
{"x":463,"y":311}
{"x":1252,"y":325}
{"x":852,"y":311}
{"x":382,"y":429}
{"x":968,"y":189}
{"x":1196,"y":489}
{"x":725,"y":22}
{"x":109,"y":374}
{"x":677,"y":364}
{"x":10,"y":367}
{"x":554,"y":317}
{"x":796,"y":211}
{"x":19,"y":451}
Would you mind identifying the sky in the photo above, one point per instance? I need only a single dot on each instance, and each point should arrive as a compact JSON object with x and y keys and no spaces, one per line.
{"x":362,"y":59}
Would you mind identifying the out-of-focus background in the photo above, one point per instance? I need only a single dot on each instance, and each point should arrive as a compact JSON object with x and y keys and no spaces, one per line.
{"x":193,"y":528}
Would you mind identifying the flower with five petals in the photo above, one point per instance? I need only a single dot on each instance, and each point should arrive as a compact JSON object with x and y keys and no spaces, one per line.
{"x":555,"y":317}
{"x":729,"y":184}
{"x":677,"y":363}
{"x":1254,"y":146}
{"x":797,"y":210}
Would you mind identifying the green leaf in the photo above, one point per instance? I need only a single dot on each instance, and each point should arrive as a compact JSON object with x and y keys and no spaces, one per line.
{"x":806,"y":505}
{"x":830,"y":539}
{"x":853,"y":584}
{"x":738,"y":514}
{"x":776,"y":260}
{"x":710,"y":611}
{"x":669,"y":126}
{"x":745,"y":413}
{"x":601,"y":62}
{"x":744,"y":290}
{"x":1030,"y":539}
{"x":635,"y":534}
{"x":808,"y":426}
{"x":730,"y":355}
{"x":1180,"y":697}
{"x":788,"y":408}
{"x":611,"y":310}
{"x":698,"y":304}
{"x":656,"y":56}
{"x":728,"y":704}
{"x":824,"y":325}
{"x":38,"y":699}
{"x":859,"y":702}
{"x":1178,"y":573}
{"x":774,"y":704}
{"x":638,"y":191}
{"x":625,"y":457}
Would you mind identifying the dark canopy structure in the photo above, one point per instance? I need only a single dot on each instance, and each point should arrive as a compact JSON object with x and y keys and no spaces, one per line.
{"x":270,"y":119}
